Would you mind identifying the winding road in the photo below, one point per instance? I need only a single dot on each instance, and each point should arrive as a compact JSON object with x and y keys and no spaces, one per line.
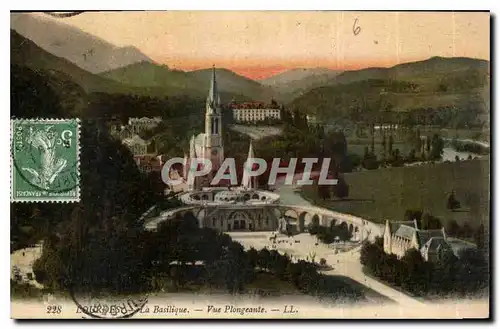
{"x":342,"y":263}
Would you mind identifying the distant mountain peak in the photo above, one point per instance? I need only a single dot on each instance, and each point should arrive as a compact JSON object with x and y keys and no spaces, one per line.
{"x":81,"y":48}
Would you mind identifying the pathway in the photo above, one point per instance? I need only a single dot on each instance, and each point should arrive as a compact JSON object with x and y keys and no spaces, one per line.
{"x":343,"y":263}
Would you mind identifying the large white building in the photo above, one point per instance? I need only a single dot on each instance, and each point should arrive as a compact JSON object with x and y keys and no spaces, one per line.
{"x":252,"y":112}
{"x":138,"y":125}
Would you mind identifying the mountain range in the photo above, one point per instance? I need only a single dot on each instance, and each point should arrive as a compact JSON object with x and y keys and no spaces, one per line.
{"x":231,"y":85}
{"x":24,"y":52}
{"x":42,"y":44}
{"x":295,"y":82}
{"x":85,"y":50}
{"x":438,"y":82}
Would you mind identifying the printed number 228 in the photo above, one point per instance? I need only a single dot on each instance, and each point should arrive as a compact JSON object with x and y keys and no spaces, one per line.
{"x":54,"y":309}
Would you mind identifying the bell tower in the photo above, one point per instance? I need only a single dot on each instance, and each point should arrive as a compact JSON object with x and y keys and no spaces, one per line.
{"x":214,"y":149}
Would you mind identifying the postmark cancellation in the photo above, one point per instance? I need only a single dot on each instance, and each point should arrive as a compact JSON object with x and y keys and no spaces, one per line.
{"x":45,"y":160}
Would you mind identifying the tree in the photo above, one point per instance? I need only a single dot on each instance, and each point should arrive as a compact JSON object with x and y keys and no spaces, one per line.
{"x":391,"y":143}
{"x":437,"y":147}
{"x":444,"y":273}
{"x":412,"y":156}
{"x":232,"y":270}
{"x":335,"y":145}
{"x":370,"y":162}
{"x":418,"y":272}
{"x":452,"y":203}
{"x":341,"y":189}
{"x":370,"y":256}
{"x":323,"y":190}
{"x":350,"y":162}
{"x":101,"y":244}
{"x":32,"y":94}
{"x":473,"y":272}
{"x":264,"y":260}
{"x":384,"y":145}
{"x":418,"y":142}
{"x":253,"y":257}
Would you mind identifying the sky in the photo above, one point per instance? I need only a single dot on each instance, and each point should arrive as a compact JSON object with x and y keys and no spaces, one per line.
{"x":259,"y":44}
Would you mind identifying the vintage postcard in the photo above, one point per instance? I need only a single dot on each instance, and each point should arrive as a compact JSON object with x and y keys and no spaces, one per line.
{"x":250,"y":165}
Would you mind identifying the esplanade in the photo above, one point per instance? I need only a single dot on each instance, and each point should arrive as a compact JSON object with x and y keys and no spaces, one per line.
{"x":248,"y":216}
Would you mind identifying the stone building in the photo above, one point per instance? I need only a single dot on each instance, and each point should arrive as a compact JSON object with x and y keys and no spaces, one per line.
{"x":234,"y":209}
{"x":138,"y":125}
{"x":252,"y":112}
{"x":208,"y":145}
{"x":137,"y":145}
{"x":399,"y":237}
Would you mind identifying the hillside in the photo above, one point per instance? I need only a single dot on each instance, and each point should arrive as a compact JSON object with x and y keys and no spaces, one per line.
{"x":231,"y":85}
{"x":295,"y":82}
{"x":429,"y":73}
{"x":460,"y":83}
{"x":24,"y":52}
{"x":295,"y":74}
{"x":230,"y":82}
{"x":85,"y":50}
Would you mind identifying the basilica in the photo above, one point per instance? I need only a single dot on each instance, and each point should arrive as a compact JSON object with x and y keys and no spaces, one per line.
{"x":224,"y":207}
{"x":209,"y":144}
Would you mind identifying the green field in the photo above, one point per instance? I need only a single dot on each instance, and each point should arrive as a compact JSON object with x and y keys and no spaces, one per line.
{"x":387,"y":193}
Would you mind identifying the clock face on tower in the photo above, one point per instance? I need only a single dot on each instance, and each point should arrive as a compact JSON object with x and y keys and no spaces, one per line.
{"x":214,"y":152}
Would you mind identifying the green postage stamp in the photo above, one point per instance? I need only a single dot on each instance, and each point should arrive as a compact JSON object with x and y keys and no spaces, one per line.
{"x":45,"y":160}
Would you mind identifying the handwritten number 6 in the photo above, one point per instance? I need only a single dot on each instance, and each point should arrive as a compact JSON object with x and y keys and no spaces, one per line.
{"x":356,"y":29}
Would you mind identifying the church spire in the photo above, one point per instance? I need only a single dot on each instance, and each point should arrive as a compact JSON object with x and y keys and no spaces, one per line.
{"x":250,"y":151}
{"x":187,"y":169}
{"x":247,"y":181}
{"x":213,"y":95}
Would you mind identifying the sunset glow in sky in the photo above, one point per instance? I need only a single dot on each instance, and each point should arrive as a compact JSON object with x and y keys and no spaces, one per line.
{"x":258,"y":44}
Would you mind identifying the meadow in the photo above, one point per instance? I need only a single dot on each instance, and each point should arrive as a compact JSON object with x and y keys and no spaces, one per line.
{"x":388,"y":192}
